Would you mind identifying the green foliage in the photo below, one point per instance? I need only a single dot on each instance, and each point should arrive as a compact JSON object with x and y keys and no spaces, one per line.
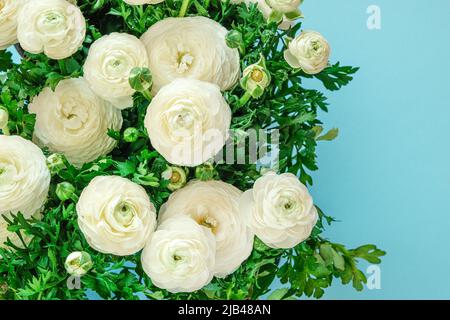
{"x":35,"y":269}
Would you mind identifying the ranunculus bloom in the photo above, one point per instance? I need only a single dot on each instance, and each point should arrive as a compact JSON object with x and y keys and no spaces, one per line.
{"x":139,"y":2}
{"x":180,"y":255}
{"x":215,"y":205}
{"x":115,"y":215}
{"x":284,"y":6}
{"x":108,"y":65}
{"x":188,"y":121}
{"x":9,"y":10}
{"x":55,"y":27}
{"x":24,"y":176}
{"x":280,"y":210}
{"x":74,"y":121}
{"x":266,"y":11}
{"x":192,"y":47}
{"x":309,"y":51}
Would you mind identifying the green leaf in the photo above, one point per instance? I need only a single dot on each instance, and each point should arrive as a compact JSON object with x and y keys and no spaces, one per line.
{"x":330,"y":135}
{"x":278,"y":294}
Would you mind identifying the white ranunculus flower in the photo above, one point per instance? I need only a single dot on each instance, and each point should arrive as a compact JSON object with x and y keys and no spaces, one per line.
{"x":309,"y":51}
{"x":192,"y":47}
{"x":215,"y":205}
{"x":280,"y":210}
{"x":24,"y":176}
{"x":188,"y":121}
{"x":180,"y":255}
{"x":9,"y":10}
{"x":108,"y":65}
{"x":55,"y":27}
{"x":284,"y":6}
{"x":139,"y":2}
{"x":74,"y":121}
{"x":266,"y":11}
{"x":115,"y":215}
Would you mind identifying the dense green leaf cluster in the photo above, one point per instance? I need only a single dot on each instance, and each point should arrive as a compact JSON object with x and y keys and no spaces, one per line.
{"x":35,"y":270}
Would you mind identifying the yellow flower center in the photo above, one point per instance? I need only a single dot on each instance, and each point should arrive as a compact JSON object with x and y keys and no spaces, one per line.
{"x":257,"y":75}
{"x":175,"y":177}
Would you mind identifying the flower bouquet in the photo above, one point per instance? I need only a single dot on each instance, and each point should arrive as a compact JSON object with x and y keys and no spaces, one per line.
{"x":162,"y":150}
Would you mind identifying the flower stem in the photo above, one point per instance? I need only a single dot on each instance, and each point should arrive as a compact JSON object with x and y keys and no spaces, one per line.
{"x":147,"y":95}
{"x":244,"y":99}
{"x":184,"y":7}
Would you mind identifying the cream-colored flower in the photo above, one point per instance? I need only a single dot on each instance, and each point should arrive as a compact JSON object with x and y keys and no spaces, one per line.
{"x":139,"y":2}
{"x":284,"y":6}
{"x":215,"y":205}
{"x":267,"y":11}
{"x":9,"y":10}
{"x":115,"y":215}
{"x":192,"y":47}
{"x":74,"y":121}
{"x":24,"y":176}
{"x":180,"y":255}
{"x":309,"y":51}
{"x":280,"y":210}
{"x":108,"y":65}
{"x":188,"y":121}
{"x":55,"y":27}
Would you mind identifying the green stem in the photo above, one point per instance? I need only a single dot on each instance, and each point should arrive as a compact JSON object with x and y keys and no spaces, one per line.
{"x":147,"y":95}
{"x":184,"y":7}
{"x":244,"y":99}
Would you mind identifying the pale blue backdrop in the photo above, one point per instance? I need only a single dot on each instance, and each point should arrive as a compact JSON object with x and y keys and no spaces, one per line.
{"x":387,"y":176}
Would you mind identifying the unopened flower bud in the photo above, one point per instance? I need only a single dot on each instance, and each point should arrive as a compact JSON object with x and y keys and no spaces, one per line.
{"x":65,"y":191}
{"x":256,"y":78}
{"x":130,"y":134}
{"x":176,"y":176}
{"x":234,"y":40}
{"x":55,"y":163}
{"x":78,"y":263}
{"x":4,"y":117}
{"x":140,"y":79}
{"x":205,"y":172}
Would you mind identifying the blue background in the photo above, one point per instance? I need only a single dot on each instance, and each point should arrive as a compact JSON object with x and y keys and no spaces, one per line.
{"x":387,"y":176}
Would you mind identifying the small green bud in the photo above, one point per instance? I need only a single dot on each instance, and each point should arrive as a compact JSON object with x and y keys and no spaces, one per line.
{"x":78,"y":263}
{"x":256,"y":78}
{"x":234,"y":40}
{"x":205,"y":172}
{"x":4,"y":118}
{"x":140,"y":79}
{"x":65,"y":191}
{"x":130,"y":134}
{"x":55,"y":163}
{"x":176,"y":176}
{"x":3,"y":289}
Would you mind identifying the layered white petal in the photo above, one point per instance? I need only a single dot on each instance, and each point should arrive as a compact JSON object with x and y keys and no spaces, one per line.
{"x":192,"y":47}
{"x":188,"y":121}
{"x":280,"y":210}
{"x":215,"y":205}
{"x":180,"y":255}
{"x":115,"y":215}
{"x":309,"y":51}
{"x":108,"y":65}
{"x":9,"y":10}
{"x":74,"y":121}
{"x":24,"y":176}
{"x":55,"y":27}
